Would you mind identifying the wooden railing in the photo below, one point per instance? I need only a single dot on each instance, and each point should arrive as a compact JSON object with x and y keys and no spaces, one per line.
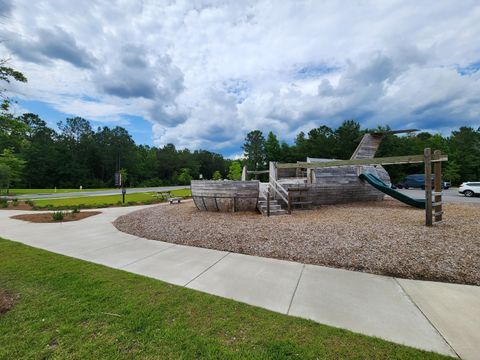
{"x":278,"y":189}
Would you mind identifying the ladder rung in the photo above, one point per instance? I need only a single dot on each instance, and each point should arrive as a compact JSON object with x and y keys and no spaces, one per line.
{"x":437,"y":213}
{"x":437,"y":193}
{"x":438,"y":222}
{"x":437,"y":203}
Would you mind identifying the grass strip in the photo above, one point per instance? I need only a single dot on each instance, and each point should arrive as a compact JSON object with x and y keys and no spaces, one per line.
{"x":72,"y":309}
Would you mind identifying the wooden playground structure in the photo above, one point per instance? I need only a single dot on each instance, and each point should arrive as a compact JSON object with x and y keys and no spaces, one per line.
{"x":330,"y":181}
{"x":319,"y":182}
{"x":433,"y":194}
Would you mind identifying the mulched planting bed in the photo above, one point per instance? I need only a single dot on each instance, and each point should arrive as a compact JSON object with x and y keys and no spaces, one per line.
{"x":47,"y":217}
{"x":379,"y":237}
{"x":19,"y":206}
{"x":6,"y":301}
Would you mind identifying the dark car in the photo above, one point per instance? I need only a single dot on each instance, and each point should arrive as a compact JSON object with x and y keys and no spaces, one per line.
{"x":418,"y":181}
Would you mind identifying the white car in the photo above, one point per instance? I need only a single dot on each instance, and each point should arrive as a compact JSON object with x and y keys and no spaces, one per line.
{"x":470,"y":189}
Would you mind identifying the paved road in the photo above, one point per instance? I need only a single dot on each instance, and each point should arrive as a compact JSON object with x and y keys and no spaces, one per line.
{"x":98,"y":193}
{"x":428,"y":315}
{"x":449,"y":196}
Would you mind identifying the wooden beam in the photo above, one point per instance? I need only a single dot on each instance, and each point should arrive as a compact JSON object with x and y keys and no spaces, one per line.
{"x":255,"y":172}
{"x":393,"y":160}
{"x":394,"y":131}
{"x":428,"y":187}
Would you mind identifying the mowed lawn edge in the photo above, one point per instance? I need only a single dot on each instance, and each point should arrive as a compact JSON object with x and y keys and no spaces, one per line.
{"x":72,"y":309}
{"x":17,"y":192}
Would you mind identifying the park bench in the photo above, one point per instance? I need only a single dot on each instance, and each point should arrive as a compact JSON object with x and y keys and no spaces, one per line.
{"x":175,"y":199}
{"x":164,"y":195}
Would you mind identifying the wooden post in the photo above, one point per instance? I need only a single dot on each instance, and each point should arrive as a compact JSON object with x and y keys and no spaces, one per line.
{"x":272,"y":170}
{"x":289,"y":202}
{"x":244,"y":173}
{"x":428,"y":186}
{"x":298,"y":172}
{"x":268,"y":200}
{"x":438,"y":187}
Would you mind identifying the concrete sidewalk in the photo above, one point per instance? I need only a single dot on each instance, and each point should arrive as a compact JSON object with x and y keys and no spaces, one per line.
{"x":439,"y":317}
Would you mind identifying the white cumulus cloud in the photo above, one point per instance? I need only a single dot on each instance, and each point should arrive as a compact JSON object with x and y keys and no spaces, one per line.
{"x":206,"y":72}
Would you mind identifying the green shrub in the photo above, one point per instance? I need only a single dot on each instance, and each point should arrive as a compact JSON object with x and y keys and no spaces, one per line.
{"x":58,"y":215}
{"x":30,"y":202}
{"x":15,"y":202}
{"x":75,"y":210}
{"x":3,"y":203}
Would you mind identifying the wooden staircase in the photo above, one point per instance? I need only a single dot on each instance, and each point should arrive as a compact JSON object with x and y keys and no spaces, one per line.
{"x":275,"y":208}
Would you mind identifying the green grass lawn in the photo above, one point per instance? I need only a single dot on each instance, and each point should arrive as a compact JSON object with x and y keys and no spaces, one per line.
{"x":72,"y":309}
{"x":49,"y":191}
{"x":107,"y":200}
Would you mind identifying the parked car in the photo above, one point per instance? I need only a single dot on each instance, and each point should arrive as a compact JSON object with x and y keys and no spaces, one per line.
{"x":470,"y":188}
{"x":418,"y":181}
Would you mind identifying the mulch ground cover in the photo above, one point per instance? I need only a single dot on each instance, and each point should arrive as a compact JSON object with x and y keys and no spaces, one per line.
{"x":385,"y":237}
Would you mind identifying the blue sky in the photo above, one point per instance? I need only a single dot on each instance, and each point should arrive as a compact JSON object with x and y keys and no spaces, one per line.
{"x":202,"y":74}
{"x":138,"y":127}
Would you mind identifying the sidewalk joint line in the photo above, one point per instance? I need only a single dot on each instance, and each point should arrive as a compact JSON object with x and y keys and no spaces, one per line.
{"x":104,"y":247}
{"x":295,"y":290}
{"x":208,"y":268}
{"x":426,"y":317}
{"x":146,"y":257}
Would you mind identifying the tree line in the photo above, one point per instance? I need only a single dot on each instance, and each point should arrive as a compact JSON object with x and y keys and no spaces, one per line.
{"x":33,"y":155}
{"x":78,"y":155}
{"x":462,"y":147}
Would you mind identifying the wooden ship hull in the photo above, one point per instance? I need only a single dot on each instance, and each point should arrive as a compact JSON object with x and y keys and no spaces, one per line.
{"x":225,"y":196}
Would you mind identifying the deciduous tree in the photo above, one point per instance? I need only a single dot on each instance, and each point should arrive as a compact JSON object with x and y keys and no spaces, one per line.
{"x":235,"y":171}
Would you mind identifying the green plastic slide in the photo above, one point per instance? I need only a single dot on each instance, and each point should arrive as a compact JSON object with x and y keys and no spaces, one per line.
{"x":380,"y":185}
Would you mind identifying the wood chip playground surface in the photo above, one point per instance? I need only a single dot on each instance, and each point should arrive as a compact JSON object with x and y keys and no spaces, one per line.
{"x":385,"y":237}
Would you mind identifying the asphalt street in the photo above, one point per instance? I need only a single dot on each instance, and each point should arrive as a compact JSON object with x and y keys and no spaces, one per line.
{"x":449,"y":196}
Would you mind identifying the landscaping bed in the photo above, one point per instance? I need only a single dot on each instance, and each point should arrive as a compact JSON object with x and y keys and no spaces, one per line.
{"x":48,"y":218}
{"x":21,"y":205}
{"x":386,"y":237}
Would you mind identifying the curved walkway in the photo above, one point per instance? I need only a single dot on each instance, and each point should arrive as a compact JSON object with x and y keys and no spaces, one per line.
{"x":439,"y":317}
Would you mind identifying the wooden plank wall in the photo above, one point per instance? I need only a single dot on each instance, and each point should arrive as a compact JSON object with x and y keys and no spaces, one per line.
{"x":225,"y":196}
{"x":286,"y":173}
{"x":340,"y":184}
